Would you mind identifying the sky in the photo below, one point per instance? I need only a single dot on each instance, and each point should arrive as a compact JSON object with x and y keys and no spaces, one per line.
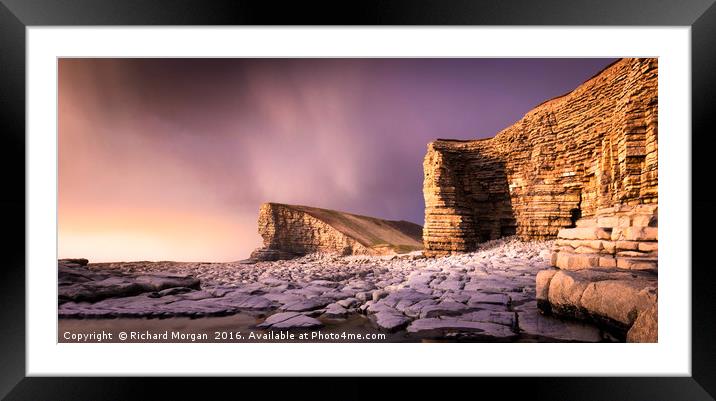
{"x":170,"y":159}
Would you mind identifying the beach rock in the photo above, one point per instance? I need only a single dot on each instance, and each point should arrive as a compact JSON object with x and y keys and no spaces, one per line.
{"x":455,"y":324}
{"x":534,"y":323}
{"x":611,"y":297}
{"x":391,"y":320}
{"x":504,"y":318}
{"x":290,"y":320}
{"x":283,"y":298}
{"x":335,"y":311}
{"x":252,"y":302}
{"x":348,"y":302}
{"x":78,"y":283}
{"x":482,"y":298}
{"x":416,"y":309}
{"x":364,"y":296}
{"x":405,"y":297}
{"x":306,"y":305}
{"x":443,"y":309}
{"x":379,"y":294}
{"x":172,"y":291}
{"x":645,"y":328}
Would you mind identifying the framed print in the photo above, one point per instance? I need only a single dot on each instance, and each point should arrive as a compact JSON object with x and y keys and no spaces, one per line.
{"x":452,"y":190}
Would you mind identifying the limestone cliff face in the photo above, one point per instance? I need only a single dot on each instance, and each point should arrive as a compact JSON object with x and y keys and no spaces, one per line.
{"x":291,"y":230}
{"x":623,"y":237}
{"x":592,"y":148}
{"x":606,"y":270}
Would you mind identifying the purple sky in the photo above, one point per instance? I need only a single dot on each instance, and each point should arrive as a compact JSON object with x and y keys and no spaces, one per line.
{"x":169,"y":159}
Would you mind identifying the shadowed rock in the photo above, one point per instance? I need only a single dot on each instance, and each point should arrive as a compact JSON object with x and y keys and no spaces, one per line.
{"x":289,"y":320}
{"x":80,"y":284}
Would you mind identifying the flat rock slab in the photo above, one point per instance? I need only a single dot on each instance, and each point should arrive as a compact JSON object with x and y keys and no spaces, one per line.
{"x":348,"y":302}
{"x":108,"y":294}
{"x":78,"y":283}
{"x":449,"y":285}
{"x":380,"y":306}
{"x":335,"y":311}
{"x":533,"y":323}
{"x":249,"y":302}
{"x":289,"y":320}
{"x":391,"y":321}
{"x":306,"y":305}
{"x":444,"y":309}
{"x":504,"y":318}
{"x":273,"y":282}
{"x":492,"y":284}
{"x":284,"y":298}
{"x":498,"y":299}
{"x":417,"y":308}
{"x":325,"y":283}
{"x":455,"y":324}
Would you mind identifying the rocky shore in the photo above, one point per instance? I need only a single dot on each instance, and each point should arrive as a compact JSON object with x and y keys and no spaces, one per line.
{"x":488,"y":294}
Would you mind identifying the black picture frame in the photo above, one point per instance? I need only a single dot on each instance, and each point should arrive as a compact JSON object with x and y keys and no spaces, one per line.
{"x":16,"y":15}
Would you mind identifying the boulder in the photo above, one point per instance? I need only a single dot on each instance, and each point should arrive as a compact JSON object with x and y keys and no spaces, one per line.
{"x":645,"y":328}
{"x":612,"y":298}
{"x":391,"y":320}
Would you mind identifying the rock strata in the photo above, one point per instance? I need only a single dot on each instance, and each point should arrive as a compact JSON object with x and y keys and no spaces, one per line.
{"x":606,"y":271}
{"x":624,"y":237}
{"x":291,"y":231}
{"x":567,"y":158}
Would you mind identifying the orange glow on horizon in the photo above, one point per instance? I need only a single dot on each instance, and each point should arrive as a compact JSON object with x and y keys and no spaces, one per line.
{"x":155,"y":236}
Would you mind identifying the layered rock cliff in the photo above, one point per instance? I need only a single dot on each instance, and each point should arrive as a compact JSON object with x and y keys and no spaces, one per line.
{"x":581,"y":167}
{"x":290,"y":230}
{"x":589,"y":149}
{"x":606,"y":271}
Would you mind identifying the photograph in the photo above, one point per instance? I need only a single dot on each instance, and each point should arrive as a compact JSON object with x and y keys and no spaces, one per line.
{"x":357,"y":200}
{"x":213,"y":195}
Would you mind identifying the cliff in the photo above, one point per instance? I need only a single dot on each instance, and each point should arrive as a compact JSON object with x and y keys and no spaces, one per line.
{"x":606,"y":270}
{"x":290,"y":230}
{"x":592,"y":148}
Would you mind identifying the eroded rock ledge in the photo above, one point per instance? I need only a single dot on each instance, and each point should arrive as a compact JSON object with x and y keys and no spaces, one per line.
{"x":78,"y":283}
{"x":589,"y":149}
{"x":290,"y":231}
{"x":606,"y":271}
